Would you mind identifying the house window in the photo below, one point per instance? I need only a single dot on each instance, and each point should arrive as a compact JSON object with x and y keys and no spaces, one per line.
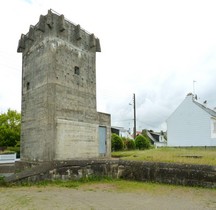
{"x":76,"y":70}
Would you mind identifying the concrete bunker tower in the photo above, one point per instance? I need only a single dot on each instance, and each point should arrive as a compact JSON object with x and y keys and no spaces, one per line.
{"x":59,"y":116}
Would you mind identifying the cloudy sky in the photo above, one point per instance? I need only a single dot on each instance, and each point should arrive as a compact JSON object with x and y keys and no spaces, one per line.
{"x":155,"y":49}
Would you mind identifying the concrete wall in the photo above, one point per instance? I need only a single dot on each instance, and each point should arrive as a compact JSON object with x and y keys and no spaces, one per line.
{"x":170,"y":173}
{"x":59,"y":116}
{"x":84,"y":137}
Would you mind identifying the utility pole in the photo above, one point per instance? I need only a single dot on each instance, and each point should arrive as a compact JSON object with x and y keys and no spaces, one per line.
{"x":134,"y":103}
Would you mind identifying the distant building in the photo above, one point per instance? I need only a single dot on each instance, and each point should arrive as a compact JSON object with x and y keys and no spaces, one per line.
{"x":122,"y":132}
{"x":192,"y":124}
{"x":157,"y":138}
{"x":131,"y":136}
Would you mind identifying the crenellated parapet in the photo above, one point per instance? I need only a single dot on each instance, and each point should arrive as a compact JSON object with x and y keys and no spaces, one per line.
{"x":55,"y":25}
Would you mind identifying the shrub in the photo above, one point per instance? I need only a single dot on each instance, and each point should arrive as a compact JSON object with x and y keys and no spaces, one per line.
{"x":142,"y":142}
{"x":116,"y":142}
{"x":144,"y":133}
{"x":10,"y":125}
{"x":2,"y":181}
{"x":7,"y":152}
{"x":15,"y":150}
{"x":130,"y":144}
{"x":124,"y":139}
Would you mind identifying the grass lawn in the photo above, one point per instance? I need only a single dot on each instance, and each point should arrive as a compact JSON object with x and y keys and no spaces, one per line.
{"x":206,"y":156}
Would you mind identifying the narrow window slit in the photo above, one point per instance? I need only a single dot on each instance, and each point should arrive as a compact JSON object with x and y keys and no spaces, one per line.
{"x":76,"y":70}
{"x":28,"y":85}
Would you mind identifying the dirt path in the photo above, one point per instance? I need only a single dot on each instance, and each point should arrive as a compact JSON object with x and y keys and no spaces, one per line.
{"x":105,"y":196}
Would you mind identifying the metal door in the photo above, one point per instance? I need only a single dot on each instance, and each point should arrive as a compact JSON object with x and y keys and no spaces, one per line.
{"x":102,"y":140}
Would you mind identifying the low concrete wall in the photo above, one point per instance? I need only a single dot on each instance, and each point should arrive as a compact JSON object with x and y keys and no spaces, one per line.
{"x":180,"y":174}
{"x":7,"y":168}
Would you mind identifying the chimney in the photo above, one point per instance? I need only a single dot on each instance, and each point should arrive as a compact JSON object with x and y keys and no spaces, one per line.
{"x":205,"y":103}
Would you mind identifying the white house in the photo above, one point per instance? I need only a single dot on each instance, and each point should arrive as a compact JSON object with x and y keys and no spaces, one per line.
{"x":157,"y":138}
{"x":192,"y":124}
{"x":122,"y":132}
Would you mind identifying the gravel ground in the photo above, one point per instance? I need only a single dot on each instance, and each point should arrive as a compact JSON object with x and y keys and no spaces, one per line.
{"x":105,"y":196}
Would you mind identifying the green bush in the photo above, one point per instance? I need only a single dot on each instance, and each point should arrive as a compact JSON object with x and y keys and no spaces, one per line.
{"x":142,"y":142}
{"x":116,"y":142}
{"x":10,"y":126}
{"x":144,"y":133}
{"x":15,"y":150}
{"x":6,"y":152}
{"x":124,"y":139}
{"x":130,"y":144}
{"x":2,"y":181}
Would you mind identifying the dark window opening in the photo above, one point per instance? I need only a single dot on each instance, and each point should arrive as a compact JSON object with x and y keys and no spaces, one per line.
{"x":28,"y":85}
{"x":76,"y":70}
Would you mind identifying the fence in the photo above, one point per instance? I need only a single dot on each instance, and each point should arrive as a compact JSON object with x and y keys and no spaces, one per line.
{"x":8,"y":157}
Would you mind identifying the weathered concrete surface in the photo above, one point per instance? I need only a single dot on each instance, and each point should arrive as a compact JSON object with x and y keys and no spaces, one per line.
{"x":180,"y":174}
{"x":7,"y":168}
{"x":170,"y":173}
{"x":59,"y":116}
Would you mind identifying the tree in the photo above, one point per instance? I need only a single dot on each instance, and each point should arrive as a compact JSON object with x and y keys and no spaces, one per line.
{"x":116,"y":142}
{"x":10,"y":126}
{"x":142,"y":142}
